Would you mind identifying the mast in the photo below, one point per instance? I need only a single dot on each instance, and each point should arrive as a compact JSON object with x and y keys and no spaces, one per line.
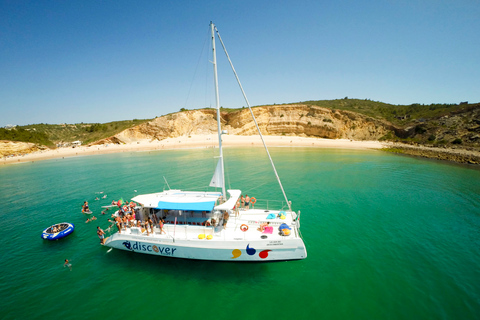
{"x":217,"y":99}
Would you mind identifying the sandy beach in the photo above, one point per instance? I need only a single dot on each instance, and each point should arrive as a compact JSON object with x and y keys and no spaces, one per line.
{"x":196,"y":141}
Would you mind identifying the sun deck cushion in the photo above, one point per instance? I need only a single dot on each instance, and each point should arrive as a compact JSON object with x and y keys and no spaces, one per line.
{"x":284,"y":226}
{"x":268,"y":230}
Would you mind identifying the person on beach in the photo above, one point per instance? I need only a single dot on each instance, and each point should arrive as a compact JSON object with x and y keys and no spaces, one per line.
{"x":101,"y":235}
{"x":67,"y":264}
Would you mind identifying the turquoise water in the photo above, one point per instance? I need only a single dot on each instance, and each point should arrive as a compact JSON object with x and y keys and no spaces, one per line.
{"x":388,"y":237}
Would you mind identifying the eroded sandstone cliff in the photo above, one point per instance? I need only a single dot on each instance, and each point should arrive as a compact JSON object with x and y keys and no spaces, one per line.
{"x":299,"y":120}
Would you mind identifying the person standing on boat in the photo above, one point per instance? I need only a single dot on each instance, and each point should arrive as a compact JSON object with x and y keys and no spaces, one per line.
{"x":118,"y":222}
{"x":150,"y":222}
{"x":101,"y":235}
{"x":160,"y":225}
{"x":247,"y":201}
{"x":242,"y":199}
{"x":225,"y":220}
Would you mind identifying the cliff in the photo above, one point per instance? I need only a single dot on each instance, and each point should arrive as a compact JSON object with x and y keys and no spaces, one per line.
{"x":299,"y":120}
{"x":15,"y":148}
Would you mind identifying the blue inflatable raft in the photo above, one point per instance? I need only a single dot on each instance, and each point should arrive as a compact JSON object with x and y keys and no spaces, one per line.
{"x":58,"y":231}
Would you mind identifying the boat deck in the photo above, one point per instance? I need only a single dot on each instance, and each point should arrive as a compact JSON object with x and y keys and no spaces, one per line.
{"x":232,"y":231}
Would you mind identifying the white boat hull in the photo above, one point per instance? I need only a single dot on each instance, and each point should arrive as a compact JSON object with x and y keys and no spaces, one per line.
{"x":218,"y":250}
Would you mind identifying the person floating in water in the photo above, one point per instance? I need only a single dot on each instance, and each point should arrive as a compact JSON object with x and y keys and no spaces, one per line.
{"x":85,"y":208}
{"x":67,"y":264}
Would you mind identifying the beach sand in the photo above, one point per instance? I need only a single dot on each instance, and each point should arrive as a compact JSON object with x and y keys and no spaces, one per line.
{"x":194,"y":141}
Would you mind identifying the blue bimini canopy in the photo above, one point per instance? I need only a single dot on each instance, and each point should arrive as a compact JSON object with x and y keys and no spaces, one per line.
{"x":188,"y":206}
{"x":179,"y":200}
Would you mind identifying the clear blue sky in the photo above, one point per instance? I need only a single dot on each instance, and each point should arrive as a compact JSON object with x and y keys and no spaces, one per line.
{"x":101,"y":61}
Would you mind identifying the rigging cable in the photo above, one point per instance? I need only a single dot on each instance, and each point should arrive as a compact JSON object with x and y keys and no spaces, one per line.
{"x":254,"y":120}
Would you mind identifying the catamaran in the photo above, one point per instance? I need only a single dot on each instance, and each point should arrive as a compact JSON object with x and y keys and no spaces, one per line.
{"x":218,"y":226}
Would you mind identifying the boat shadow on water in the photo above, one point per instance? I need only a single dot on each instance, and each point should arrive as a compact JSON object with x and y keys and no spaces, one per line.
{"x":187,"y":268}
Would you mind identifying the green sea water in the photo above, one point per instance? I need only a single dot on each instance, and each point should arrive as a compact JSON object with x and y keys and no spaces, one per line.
{"x":388,"y":237}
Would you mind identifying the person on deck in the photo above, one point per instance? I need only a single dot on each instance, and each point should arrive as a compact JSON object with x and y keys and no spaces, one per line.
{"x":160,"y":225}
{"x":150,"y":222}
{"x":118,"y":222}
{"x":225,"y":220}
{"x":262,"y":226}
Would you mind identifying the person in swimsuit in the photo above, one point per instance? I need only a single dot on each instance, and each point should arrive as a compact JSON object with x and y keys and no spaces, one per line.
{"x":160,"y":225}
{"x":247,"y":201}
{"x":118,"y":222}
{"x":262,"y":226}
{"x":150,"y":222}
{"x":67,"y":264}
{"x":225,"y":220}
{"x":101,"y":235}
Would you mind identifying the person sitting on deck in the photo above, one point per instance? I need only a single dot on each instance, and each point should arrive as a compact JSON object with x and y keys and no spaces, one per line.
{"x":262,"y":226}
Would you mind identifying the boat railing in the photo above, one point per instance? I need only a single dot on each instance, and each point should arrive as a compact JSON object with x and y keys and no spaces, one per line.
{"x":269,"y":204}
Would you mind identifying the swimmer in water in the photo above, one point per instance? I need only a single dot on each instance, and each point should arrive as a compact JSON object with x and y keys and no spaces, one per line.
{"x":67,"y":264}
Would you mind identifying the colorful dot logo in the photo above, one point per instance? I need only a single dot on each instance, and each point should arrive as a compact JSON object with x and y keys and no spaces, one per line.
{"x":250,"y":251}
{"x":236,"y":253}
